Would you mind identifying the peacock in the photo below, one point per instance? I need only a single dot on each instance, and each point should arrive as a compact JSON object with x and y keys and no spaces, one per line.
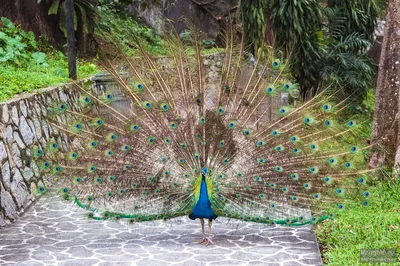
{"x":164,"y":140}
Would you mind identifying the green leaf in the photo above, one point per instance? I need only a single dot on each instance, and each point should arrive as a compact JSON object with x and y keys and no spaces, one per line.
{"x":39,"y":58}
{"x":7,"y":23}
{"x":54,"y":8}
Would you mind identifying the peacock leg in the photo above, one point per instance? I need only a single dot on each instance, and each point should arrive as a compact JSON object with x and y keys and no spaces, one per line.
{"x":208,"y":240}
{"x":203,"y":239}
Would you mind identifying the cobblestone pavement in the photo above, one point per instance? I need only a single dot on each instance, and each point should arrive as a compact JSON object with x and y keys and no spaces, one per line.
{"x":54,"y":232}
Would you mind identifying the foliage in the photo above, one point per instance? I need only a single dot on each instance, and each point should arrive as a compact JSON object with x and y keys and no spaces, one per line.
{"x":17,"y":46}
{"x":120,"y":28}
{"x":85,"y":13}
{"x":15,"y":79}
{"x":25,"y":68}
{"x":360,"y":16}
{"x":253,"y":17}
{"x":121,"y":5}
{"x":297,"y":25}
{"x":372,"y":227}
{"x":327,"y":44}
{"x":343,"y":60}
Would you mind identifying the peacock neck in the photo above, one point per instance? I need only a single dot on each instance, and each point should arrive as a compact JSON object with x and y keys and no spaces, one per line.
{"x":203,"y":190}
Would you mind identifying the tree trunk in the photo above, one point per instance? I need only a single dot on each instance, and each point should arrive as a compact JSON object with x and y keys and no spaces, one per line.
{"x":69,"y":13}
{"x":386,"y":114}
{"x":33,"y":17}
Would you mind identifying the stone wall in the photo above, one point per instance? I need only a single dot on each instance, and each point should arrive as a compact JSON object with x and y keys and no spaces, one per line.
{"x":23,"y":125}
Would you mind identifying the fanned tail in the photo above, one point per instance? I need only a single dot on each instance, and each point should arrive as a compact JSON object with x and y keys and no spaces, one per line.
{"x":138,"y":147}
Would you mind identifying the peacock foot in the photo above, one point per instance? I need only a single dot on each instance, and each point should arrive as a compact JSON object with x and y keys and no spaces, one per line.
{"x":206,"y":242}
{"x":202,"y":240}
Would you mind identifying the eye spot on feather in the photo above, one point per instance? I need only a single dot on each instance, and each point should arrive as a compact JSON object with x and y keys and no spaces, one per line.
{"x":327,"y":107}
{"x":260,"y":143}
{"x":340,"y":206}
{"x":351,"y":123}
{"x":327,"y":123}
{"x":365,"y":203}
{"x":313,"y":146}
{"x":366,"y":194}
{"x":111,"y":178}
{"x":340,"y":191}
{"x":294,"y":176}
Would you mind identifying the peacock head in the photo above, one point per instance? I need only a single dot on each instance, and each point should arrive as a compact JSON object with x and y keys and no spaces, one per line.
{"x":204,"y":170}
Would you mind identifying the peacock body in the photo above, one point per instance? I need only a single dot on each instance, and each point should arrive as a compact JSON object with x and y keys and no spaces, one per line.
{"x":185,"y":147}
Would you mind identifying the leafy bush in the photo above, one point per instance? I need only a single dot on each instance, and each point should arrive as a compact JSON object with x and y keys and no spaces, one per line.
{"x":117,"y":27}
{"x":24,"y":68}
{"x":18,"y":47}
{"x":15,"y":79}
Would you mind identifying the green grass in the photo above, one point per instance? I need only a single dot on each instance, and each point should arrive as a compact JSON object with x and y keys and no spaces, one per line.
{"x":27,"y":78}
{"x":373,"y":227}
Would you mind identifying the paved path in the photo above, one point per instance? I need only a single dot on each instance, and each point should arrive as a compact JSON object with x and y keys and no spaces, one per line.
{"x":54,"y":232}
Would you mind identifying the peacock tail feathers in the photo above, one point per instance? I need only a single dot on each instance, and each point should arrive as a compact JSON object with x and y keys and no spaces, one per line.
{"x":140,"y":147}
